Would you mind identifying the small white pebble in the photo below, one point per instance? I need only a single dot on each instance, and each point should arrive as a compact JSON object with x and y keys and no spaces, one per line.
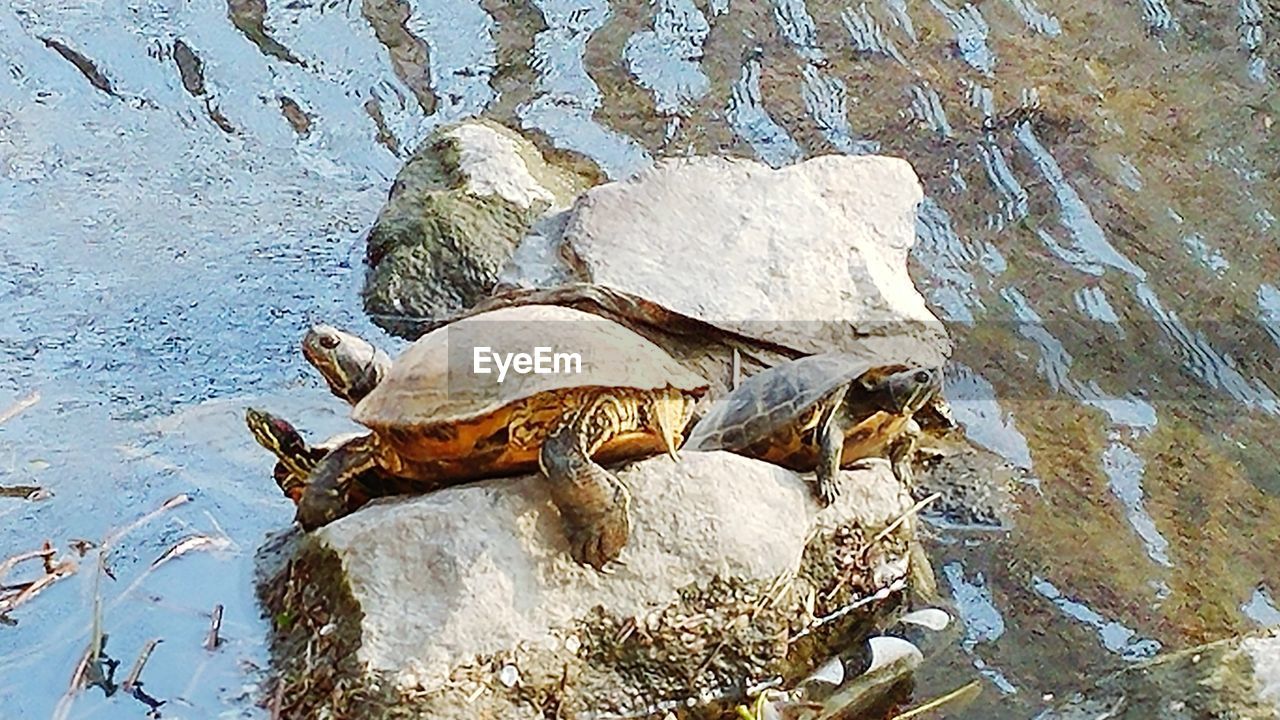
{"x":327,"y":630}
{"x":509,"y":676}
{"x":931,"y":618}
{"x":572,"y":644}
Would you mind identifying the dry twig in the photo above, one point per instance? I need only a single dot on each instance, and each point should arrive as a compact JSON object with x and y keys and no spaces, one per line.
{"x":63,"y":569}
{"x":44,"y":552}
{"x":187,"y":544}
{"x":971,"y":690}
{"x":24,"y":492}
{"x":167,"y":505}
{"x":901,"y":519}
{"x":212,"y":641}
{"x":131,"y":680}
{"x":19,"y":407}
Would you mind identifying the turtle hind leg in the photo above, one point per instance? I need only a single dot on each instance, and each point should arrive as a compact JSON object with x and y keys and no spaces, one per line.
{"x":594,"y":505}
{"x":325,"y":497}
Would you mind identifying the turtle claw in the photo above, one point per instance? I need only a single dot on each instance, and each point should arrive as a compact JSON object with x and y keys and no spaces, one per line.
{"x":827,"y":491}
{"x":599,"y":543}
{"x":597,"y":535}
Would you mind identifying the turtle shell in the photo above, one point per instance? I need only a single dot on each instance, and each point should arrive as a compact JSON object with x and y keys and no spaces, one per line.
{"x":774,"y":402}
{"x":437,"y":409}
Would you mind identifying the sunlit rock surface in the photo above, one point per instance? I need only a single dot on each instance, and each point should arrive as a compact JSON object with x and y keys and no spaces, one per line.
{"x":443,"y":593}
{"x":733,"y":266}
{"x":802,"y":256}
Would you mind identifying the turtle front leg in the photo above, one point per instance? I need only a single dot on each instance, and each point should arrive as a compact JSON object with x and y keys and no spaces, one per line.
{"x":902,"y":452}
{"x":594,"y":505}
{"x":325,"y":496}
{"x":830,"y":440}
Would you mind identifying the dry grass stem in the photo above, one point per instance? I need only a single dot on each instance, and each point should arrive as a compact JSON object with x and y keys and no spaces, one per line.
{"x":968,"y":691}
{"x":166,"y":506}
{"x":212,"y":641}
{"x":45,"y":552}
{"x":131,"y":680}
{"x":19,"y":407}
{"x":901,"y":519}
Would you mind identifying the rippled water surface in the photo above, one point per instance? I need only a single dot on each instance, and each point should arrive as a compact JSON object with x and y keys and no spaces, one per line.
{"x":184,"y":186}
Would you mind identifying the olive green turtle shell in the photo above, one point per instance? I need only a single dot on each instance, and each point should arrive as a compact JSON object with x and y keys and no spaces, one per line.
{"x":774,"y":403}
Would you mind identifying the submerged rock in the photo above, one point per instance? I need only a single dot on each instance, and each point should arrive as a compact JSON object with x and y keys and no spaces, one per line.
{"x":1236,"y":678}
{"x":455,"y":214}
{"x":464,"y":602}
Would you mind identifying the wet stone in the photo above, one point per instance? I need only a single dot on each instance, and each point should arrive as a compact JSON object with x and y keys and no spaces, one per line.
{"x":1233,"y":678}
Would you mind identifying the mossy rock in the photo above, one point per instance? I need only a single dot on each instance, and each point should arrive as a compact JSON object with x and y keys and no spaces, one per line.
{"x":454,"y":216}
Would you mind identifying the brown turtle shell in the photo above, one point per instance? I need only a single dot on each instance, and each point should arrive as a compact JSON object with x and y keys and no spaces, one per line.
{"x":434,"y":410}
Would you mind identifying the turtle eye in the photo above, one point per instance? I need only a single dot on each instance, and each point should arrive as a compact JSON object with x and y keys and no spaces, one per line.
{"x":328,"y":342}
{"x":922,"y":377}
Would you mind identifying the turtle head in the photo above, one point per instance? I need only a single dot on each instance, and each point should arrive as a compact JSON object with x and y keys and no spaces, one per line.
{"x":899,"y":389}
{"x":276,"y":434}
{"x":351,"y":365}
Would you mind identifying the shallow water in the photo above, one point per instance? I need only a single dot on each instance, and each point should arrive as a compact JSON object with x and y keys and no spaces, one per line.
{"x":184,"y":189}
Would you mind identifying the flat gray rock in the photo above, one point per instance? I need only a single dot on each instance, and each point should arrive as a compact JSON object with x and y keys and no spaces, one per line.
{"x":808,"y":257}
{"x":462,"y":590}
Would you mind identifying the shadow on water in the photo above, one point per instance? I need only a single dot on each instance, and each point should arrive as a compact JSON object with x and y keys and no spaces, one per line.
{"x":183,"y":188}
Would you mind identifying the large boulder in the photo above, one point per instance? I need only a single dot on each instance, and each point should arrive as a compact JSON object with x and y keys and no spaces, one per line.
{"x":455,"y":214}
{"x":706,"y":255}
{"x":464,"y":603}
{"x":1233,"y":679}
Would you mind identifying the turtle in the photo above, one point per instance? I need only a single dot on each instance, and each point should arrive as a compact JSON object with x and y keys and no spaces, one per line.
{"x":297,"y":459}
{"x":350,"y":364}
{"x":820,"y":413}
{"x":439,"y":418}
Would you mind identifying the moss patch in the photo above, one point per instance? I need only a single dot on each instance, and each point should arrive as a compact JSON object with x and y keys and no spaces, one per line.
{"x":315,"y":624}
